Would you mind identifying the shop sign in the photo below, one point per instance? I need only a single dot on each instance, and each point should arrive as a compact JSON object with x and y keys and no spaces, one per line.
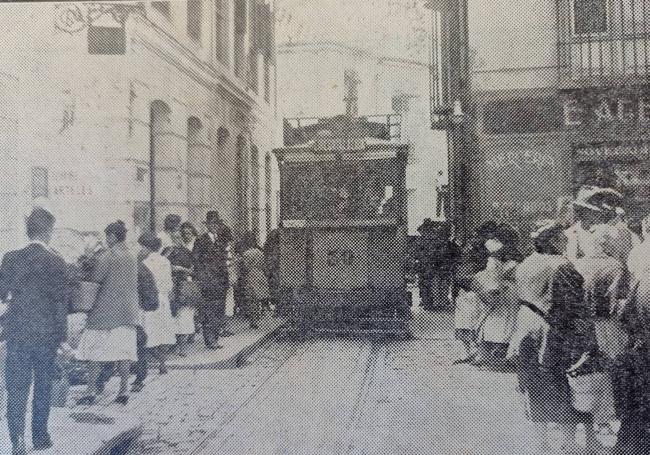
{"x":603,"y":111}
{"x":67,"y":183}
{"x":606,"y":152}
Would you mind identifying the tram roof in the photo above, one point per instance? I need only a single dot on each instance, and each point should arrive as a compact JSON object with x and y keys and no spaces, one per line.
{"x":331,"y":149}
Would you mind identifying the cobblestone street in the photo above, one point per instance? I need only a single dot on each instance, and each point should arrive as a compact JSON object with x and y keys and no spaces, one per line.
{"x":336,"y":396}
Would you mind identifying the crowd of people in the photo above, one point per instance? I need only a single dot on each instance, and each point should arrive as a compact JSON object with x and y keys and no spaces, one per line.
{"x":144,"y":302}
{"x":572,"y":319}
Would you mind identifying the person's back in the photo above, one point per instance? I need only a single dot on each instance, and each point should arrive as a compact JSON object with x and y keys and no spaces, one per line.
{"x":117,"y":299}
{"x":34,"y":284}
{"x":603,"y":277}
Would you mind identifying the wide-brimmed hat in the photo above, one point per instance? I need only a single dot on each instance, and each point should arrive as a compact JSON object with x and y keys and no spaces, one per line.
{"x":598,"y":199}
{"x":543,"y":226}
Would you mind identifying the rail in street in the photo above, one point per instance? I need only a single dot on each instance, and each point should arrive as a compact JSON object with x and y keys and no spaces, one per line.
{"x":337,"y":396}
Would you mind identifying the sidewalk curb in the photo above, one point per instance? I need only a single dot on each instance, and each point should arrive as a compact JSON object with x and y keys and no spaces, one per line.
{"x":237,"y":360}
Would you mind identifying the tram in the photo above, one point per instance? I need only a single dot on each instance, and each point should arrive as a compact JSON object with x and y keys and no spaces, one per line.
{"x":343,"y":231}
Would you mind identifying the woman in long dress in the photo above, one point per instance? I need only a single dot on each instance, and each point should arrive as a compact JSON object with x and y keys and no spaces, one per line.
{"x":551,"y":333}
{"x":495,"y":288}
{"x":254,"y":283}
{"x":182,"y":263}
{"x":159,"y":325}
{"x":632,"y":372}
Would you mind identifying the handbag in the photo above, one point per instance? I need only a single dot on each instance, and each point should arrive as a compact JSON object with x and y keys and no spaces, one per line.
{"x":83,"y":297}
{"x":189,"y":294}
{"x":587,"y":382}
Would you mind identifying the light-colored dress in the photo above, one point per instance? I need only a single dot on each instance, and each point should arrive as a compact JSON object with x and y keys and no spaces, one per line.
{"x":500,"y":312}
{"x":160,"y":325}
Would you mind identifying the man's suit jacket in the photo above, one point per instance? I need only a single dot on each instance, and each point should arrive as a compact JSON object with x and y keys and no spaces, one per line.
{"x":34,"y":282}
{"x":210,"y":267}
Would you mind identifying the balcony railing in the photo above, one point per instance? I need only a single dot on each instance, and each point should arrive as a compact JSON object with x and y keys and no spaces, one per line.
{"x":603,"y":41}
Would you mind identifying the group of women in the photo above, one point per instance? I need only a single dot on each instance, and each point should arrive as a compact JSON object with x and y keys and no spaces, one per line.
{"x":146,"y":303}
{"x":573,"y":319}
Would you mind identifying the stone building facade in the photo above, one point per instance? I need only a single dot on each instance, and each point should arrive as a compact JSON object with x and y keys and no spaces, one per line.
{"x":134,"y":110}
{"x":556,"y":96}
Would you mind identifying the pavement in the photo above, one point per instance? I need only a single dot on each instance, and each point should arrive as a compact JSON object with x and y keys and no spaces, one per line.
{"x":105,"y":426}
{"x":235,"y":348}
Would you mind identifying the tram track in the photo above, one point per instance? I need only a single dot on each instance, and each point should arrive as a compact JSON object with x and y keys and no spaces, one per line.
{"x":297,"y":366}
{"x":261,"y":353}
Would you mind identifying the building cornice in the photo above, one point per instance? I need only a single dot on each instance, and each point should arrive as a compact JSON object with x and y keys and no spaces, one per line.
{"x":183,"y":59}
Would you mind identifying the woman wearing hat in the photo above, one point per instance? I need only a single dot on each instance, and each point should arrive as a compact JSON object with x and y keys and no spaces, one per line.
{"x":551,"y":333}
{"x":594,"y":206}
{"x":494,"y":286}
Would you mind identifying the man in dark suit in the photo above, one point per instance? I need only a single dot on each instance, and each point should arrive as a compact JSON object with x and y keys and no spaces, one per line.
{"x":211,"y":271}
{"x":34,"y":282}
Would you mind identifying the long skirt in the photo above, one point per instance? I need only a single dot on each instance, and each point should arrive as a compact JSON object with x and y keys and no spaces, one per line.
{"x":118,"y":344}
{"x":185,"y":321}
{"x":160,"y":325}
{"x":547,"y":388}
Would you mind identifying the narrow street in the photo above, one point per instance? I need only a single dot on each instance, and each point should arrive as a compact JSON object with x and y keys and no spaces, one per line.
{"x":337,"y":396}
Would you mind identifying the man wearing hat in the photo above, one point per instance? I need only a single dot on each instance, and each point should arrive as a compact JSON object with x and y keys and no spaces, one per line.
{"x":211,"y":271}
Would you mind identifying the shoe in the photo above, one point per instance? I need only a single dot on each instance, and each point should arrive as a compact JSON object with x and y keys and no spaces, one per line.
{"x":88,"y":400}
{"x":137,"y":387}
{"x":122,"y":399}
{"x":163,"y":369}
{"x":42,"y":442}
{"x":19,"y":447}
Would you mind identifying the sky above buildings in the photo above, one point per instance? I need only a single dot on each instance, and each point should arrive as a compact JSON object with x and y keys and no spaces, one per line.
{"x":390,"y":28}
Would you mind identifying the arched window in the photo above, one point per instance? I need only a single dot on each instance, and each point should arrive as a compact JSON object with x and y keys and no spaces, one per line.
{"x":241,"y":185}
{"x":268,"y":190}
{"x":198,"y":163}
{"x":255,"y":188}
{"x":159,"y":121}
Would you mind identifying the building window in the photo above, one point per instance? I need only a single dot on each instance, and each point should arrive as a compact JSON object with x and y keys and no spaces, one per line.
{"x":267,"y":79}
{"x":590,"y":17}
{"x":163,"y":8}
{"x":40,"y":184}
{"x":241,"y":13}
{"x":194,"y":18}
{"x":223,"y":31}
{"x":255,"y":190}
{"x":141,"y":174}
{"x":268,"y":189}
{"x":636,"y":14}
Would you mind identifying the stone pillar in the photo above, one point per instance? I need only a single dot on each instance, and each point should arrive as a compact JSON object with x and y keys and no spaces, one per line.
{"x":168,"y":166}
